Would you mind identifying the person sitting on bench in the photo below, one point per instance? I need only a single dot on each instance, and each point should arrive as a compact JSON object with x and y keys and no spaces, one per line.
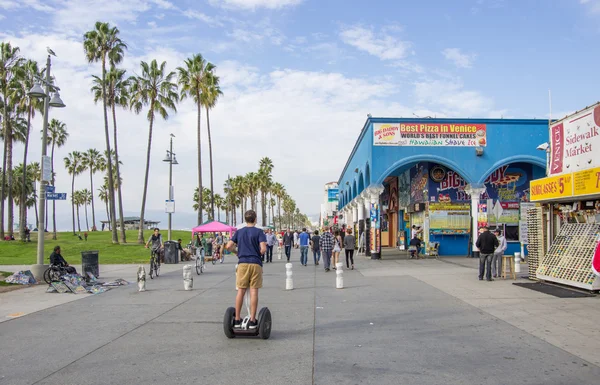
{"x":414,"y":246}
{"x":57,"y":259}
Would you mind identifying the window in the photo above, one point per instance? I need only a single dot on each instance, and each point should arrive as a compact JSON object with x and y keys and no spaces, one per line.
{"x":511,"y":233}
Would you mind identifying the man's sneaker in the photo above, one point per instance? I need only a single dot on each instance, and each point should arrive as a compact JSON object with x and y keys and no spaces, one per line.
{"x":252,"y":324}
{"x":237,"y":323}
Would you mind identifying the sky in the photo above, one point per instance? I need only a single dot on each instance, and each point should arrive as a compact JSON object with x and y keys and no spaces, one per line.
{"x":299,"y":78}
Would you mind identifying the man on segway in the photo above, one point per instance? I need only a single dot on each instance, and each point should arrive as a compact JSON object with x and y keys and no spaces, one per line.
{"x":251,"y":244}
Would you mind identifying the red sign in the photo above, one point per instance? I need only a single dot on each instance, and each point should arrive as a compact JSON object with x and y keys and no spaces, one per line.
{"x":556,"y":163}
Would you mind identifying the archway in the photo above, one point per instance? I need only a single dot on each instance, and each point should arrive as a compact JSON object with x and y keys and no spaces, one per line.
{"x":368,"y":175}
{"x":361,"y":183}
{"x":354,"y":193}
{"x":405,"y":163}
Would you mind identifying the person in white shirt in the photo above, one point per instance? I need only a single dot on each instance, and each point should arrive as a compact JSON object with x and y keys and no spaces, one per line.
{"x":498,"y":253}
{"x":415,"y":231}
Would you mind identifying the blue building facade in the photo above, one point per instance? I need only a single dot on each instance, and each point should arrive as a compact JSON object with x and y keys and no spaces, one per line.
{"x":446,"y":176}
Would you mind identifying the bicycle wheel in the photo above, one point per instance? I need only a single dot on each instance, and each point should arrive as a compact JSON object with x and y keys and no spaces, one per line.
{"x":47,"y":276}
{"x":157,"y":268}
{"x":213,"y":259}
{"x":198,"y":266}
{"x":152,"y":268}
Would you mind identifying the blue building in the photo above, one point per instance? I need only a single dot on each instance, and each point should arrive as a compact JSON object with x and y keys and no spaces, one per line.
{"x":447,"y":177}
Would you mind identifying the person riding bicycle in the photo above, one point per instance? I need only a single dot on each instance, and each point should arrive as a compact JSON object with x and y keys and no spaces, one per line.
{"x":157,"y":243}
{"x":251,"y":244}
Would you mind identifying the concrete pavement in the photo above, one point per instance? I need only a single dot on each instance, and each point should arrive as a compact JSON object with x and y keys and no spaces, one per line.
{"x":408,"y":322}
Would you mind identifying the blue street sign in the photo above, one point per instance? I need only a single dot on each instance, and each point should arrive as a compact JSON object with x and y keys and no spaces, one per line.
{"x":50,"y":189}
{"x":56,"y":196}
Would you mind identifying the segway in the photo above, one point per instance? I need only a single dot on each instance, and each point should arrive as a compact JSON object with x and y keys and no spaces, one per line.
{"x":263,"y":329}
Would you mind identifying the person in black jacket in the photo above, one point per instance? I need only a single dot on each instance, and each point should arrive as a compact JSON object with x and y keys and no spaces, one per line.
{"x":288,"y":242}
{"x":57,"y":259}
{"x":414,"y":247}
{"x":487,"y":244}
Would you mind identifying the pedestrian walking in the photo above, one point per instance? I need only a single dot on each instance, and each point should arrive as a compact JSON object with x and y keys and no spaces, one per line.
{"x":288,"y":242}
{"x":270,"y":243}
{"x":337,"y":248}
{"x":487,"y":244}
{"x":498,"y":253}
{"x":295,"y":239}
{"x":304,"y":240}
{"x":326,"y":246}
{"x":316,"y":248}
{"x":349,"y":242}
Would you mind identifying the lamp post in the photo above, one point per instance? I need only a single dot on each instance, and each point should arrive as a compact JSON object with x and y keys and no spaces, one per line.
{"x":170,"y":158}
{"x":46,"y":175}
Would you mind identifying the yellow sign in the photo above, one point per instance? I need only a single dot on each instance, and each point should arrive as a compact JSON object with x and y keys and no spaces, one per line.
{"x":559,"y":186}
{"x":587,"y":182}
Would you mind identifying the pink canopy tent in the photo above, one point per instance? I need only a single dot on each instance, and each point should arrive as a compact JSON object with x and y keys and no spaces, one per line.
{"x":213,"y":227}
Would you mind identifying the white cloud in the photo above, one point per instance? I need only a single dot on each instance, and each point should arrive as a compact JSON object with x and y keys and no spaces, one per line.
{"x":592,"y":5}
{"x":254,"y":4}
{"x":453,"y":100}
{"x":34,"y":4}
{"x":2,"y":16}
{"x":461,"y":60}
{"x":383,"y":46}
{"x":193,"y":14}
{"x":164,"y":4}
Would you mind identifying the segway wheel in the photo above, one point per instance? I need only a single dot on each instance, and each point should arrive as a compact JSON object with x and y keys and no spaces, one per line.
{"x":264,"y":323}
{"x":228,"y":322}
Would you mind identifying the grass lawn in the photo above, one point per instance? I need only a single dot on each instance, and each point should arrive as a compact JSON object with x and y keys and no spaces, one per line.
{"x":19,"y":253}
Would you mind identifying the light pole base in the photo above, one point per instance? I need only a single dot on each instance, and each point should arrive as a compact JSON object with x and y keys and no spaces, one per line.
{"x":38,"y":271}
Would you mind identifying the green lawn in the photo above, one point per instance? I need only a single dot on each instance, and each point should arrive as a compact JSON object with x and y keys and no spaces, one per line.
{"x":18,"y":253}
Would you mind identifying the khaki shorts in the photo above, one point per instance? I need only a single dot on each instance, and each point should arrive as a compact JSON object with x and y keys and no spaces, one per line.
{"x":249,"y":275}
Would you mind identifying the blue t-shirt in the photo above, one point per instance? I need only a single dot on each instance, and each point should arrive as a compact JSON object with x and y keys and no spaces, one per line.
{"x":304,"y":238}
{"x":248,"y":240}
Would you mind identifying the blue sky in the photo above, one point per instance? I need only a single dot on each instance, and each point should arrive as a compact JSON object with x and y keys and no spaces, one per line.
{"x":299,"y":76}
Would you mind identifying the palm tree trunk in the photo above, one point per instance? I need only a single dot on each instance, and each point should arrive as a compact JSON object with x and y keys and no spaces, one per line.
{"x":72,"y":200}
{"x":23,"y":206}
{"x":107,"y":213}
{"x":78,"y":221}
{"x":92,"y":187}
{"x":111,"y":191}
{"x":279,"y":210}
{"x":141,"y":228}
{"x":53,"y":202}
{"x":121,"y":220}
{"x":200,"y":201}
{"x":3,"y":184}
{"x":9,"y":184}
{"x":87,"y":225}
{"x":212,"y":190}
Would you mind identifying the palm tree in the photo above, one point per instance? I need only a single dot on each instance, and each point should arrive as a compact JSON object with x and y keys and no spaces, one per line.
{"x":117,"y":95}
{"x":191,"y":79}
{"x":21,"y":189}
{"x":154,"y":88}
{"x":35,"y":171}
{"x":210,"y":93}
{"x":18,"y":94}
{"x":103,"y":43}
{"x":279,"y":192}
{"x":77,"y":200}
{"x":10,"y":68}
{"x":57,"y":135}
{"x":218,"y":201}
{"x":265,"y":169}
{"x":103,"y":196}
{"x":92,"y":160}
{"x":74,"y":166}
{"x":86,"y":198}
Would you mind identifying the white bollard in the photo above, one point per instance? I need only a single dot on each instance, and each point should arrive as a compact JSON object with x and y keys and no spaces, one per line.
{"x":188,"y":279}
{"x":289,"y":283}
{"x":279,"y":252}
{"x":141,"y":278}
{"x":517,"y":262}
{"x":339,"y":276}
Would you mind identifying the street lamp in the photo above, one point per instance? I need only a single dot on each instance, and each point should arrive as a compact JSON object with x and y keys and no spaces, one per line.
{"x":46,"y":175}
{"x":171,"y":159}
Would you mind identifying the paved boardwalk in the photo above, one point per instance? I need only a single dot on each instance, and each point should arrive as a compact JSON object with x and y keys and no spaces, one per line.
{"x":395,"y":322}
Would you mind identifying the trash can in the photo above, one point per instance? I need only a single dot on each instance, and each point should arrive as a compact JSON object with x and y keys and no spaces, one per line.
{"x":171,"y":252}
{"x":89,"y":263}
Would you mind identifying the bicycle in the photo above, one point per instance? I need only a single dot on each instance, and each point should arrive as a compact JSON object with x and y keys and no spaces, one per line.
{"x":217,"y":256}
{"x":200,"y":261}
{"x":154,"y":263}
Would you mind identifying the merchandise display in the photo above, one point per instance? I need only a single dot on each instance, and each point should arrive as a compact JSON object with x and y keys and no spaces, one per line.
{"x":569,"y":260}
{"x":535,"y":238}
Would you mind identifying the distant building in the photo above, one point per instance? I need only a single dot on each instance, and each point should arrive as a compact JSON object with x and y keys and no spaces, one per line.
{"x":132,"y":223}
{"x":329,"y":207}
